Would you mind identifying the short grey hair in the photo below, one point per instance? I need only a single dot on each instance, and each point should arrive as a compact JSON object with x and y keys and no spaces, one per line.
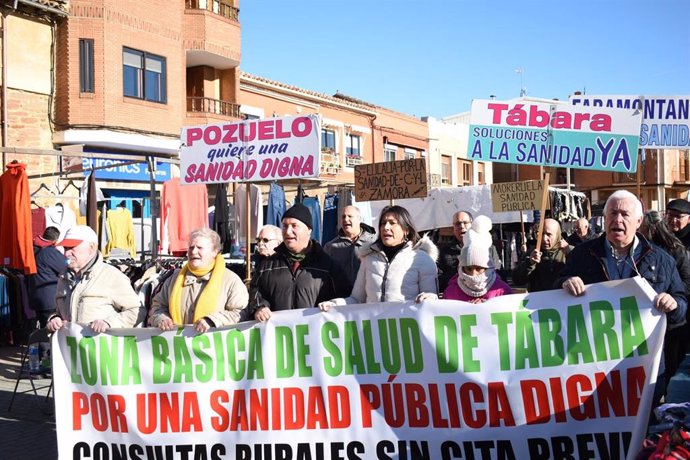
{"x":277,"y":232}
{"x":206,"y":233}
{"x":625,"y":195}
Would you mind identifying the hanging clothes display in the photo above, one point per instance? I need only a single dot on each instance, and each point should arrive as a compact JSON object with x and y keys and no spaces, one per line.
{"x":315,"y":208}
{"x":16,"y":239}
{"x":38,"y":221}
{"x":183,"y":209}
{"x":256,"y":212}
{"x":276,"y":205}
{"x":89,"y":196}
{"x":221,"y":218}
{"x":121,"y":231}
{"x":61,"y":217}
{"x":331,"y":218}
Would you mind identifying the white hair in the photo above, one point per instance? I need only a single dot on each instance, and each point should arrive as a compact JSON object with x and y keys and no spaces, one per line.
{"x":620,"y":195}
{"x":277,"y":232}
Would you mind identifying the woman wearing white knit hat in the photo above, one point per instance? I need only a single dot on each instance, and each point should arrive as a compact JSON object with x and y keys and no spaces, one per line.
{"x":477,"y":280}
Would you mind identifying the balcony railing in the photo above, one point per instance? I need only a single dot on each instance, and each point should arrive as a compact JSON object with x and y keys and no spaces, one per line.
{"x":218,"y":7}
{"x":433,"y":180}
{"x":330,"y":161}
{"x":353,"y":160}
{"x":214,"y":106}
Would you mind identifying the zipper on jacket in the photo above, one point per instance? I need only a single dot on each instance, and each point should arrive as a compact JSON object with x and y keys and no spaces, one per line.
{"x":385,"y":278}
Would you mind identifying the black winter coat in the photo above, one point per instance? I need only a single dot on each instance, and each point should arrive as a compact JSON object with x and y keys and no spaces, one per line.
{"x":318,"y":278}
{"x":43,"y":285}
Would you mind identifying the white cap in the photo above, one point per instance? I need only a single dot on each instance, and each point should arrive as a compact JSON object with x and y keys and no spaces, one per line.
{"x":78,"y":234}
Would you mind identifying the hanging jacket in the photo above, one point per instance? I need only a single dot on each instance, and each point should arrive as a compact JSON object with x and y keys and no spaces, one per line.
{"x":411,"y":272}
{"x":16,"y":239}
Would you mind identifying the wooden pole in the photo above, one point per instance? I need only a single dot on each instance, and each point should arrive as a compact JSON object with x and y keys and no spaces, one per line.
{"x":544,"y":201}
{"x":522,"y":231}
{"x":248,"y":243}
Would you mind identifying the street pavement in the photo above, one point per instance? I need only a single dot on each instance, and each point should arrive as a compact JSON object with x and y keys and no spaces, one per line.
{"x":27,"y":432}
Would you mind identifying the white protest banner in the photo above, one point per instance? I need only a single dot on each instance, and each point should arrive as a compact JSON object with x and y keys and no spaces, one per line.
{"x":539,"y":376}
{"x":251,"y":150}
{"x":560,"y":136}
{"x":665,"y":120}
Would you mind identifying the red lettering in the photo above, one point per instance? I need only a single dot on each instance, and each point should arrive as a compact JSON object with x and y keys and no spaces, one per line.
{"x":470,"y":395}
{"x":218,"y":399}
{"x":499,"y":405}
{"x":212,"y":135}
{"x":193,"y":134}
{"x":535,"y":401}
{"x":80,"y":407}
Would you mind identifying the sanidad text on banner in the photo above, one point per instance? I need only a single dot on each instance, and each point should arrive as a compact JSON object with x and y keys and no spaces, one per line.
{"x":557,"y":135}
{"x":540,"y":376}
{"x":251,"y":150}
{"x":665,"y":121}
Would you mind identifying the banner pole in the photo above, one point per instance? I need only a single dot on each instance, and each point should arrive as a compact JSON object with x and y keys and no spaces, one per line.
{"x":544,"y":200}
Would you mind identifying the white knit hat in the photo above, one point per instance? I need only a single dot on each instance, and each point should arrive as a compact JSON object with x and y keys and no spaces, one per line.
{"x":476,"y":249}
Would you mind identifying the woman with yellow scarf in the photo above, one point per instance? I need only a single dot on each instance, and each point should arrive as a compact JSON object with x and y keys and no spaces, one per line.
{"x":204,"y":292}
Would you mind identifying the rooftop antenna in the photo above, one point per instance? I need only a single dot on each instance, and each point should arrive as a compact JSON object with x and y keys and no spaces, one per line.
{"x":523,"y":90}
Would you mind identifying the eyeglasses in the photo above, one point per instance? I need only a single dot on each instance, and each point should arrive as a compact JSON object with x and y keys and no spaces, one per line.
{"x":264,"y":240}
{"x":461,"y":223}
{"x":674,"y":216}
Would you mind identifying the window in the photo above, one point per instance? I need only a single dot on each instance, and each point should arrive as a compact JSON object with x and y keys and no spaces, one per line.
{"x":328,"y":139}
{"x":464,"y":172}
{"x":410,"y":154}
{"x":445,"y":170}
{"x":86,"y":71}
{"x":144,"y":75}
{"x":389,"y":153}
{"x":353,"y":145}
{"x":481,"y":173}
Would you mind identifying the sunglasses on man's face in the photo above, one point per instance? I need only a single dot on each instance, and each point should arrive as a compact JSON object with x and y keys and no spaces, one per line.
{"x":264,"y":240}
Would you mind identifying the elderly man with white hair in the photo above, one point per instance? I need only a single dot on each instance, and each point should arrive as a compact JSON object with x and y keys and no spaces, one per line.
{"x":92,"y":292}
{"x":623,"y":253}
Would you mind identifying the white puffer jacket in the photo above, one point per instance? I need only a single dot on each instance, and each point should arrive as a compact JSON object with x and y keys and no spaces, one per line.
{"x":412,"y":271}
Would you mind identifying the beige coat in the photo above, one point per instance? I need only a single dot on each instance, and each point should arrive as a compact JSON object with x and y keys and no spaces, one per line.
{"x":102,"y":292}
{"x":232,"y":299}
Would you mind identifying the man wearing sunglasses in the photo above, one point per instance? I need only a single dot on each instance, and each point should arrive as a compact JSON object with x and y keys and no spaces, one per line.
{"x":268,"y":239}
{"x":677,"y":218}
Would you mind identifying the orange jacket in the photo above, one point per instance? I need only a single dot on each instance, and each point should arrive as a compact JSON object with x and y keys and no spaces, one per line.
{"x":16,"y":249}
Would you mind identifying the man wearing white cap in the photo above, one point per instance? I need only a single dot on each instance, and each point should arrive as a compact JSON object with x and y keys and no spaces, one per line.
{"x":92,"y":292}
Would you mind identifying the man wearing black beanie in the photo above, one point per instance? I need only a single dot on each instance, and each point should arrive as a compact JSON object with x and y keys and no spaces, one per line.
{"x":299,"y":275}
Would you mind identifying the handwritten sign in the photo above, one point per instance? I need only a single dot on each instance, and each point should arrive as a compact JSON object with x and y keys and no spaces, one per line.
{"x":391,"y":180}
{"x":251,"y":151}
{"x":517,"y":196}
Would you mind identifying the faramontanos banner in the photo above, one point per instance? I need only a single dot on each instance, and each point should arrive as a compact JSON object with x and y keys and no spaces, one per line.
{"x":251,"y":150}
{"x":537,"y":376}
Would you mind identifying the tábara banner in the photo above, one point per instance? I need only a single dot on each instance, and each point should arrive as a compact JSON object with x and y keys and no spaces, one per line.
{"x":536,"y":376}
{"x":251,"y":151}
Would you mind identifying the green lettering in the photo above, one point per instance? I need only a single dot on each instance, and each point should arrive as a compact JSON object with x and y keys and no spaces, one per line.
{"x":605,"y":338}
{"x":183,"y":361}
{"x":89,"y":369}
{"x":72,"y":345}
{"x":301,"y":331}
{"x":469,"y":343}
{"x":372,"y":365}
{"x":255,"y":361}
{"x":501,"y":321}
{"x":285,"y":352}
{"x":552,"y":348}
{"x":578,"y":338}
{"x":445,"y":332}
{"x":204,"y":369}
{"x":353,"y":348}
{"x":525,"y":341}
{"x":412,"y":345}
{"x":390,"y":346}
{"x":632,"y":330}
{"x":131,"y":374}
{"x":234,"y":345}
{"x":161,"y":371}
{"x":333,"y":366}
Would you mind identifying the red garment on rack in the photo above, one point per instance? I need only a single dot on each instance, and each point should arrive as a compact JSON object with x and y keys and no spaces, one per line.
{"x":16,"y":248}
{"x":183,"y":208}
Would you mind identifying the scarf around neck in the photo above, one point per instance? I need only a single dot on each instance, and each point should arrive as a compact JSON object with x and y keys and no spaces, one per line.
{"x":476,"y":286}
{"x":208,"y":299}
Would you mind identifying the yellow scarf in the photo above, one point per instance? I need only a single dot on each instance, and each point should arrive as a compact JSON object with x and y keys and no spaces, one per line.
{"x":208,"y":299}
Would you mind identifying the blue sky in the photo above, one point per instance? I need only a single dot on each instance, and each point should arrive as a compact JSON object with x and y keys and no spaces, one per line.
{"x":432,"y":57}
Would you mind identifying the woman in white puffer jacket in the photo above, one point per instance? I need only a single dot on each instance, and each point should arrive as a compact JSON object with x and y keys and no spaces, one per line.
{"x":399,"y":266}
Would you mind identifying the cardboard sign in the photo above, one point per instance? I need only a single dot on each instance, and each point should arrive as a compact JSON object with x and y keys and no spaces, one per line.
{"x":391,"y":180}
{"x":517,"y":196}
